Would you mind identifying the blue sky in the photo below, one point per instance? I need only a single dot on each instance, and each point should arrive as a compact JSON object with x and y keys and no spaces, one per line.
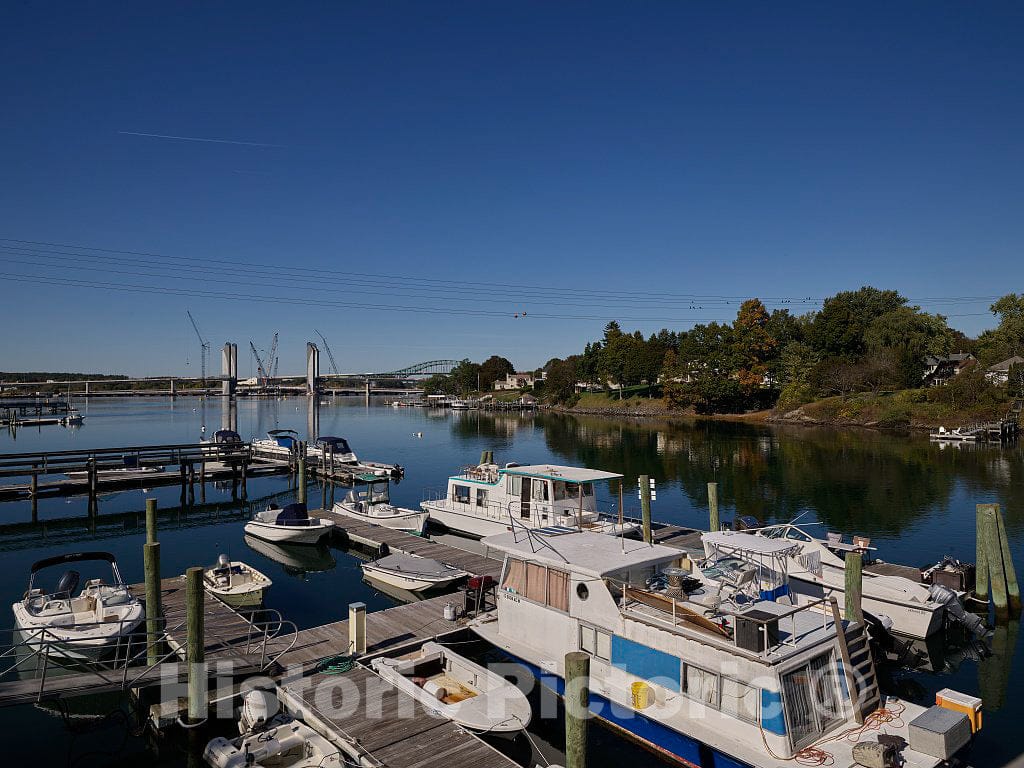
{"x":406,"y":177}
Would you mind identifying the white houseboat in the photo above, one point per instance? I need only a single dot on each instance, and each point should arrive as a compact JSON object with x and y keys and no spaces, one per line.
{"x":488,"y":499}
{"x":726,"y":685}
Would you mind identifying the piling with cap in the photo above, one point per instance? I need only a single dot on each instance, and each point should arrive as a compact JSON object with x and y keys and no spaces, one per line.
{"x":854,"y":586}
{"x":577,"y":708}
{"x":713,"y":522}
{"x":645,"y":505}
{"x":301,"y":489}
{"x":194,"y":656}
{"x":357,"y":628}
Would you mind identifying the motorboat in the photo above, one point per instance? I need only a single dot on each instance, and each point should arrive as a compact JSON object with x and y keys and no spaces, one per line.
{"x":488,"y":499}
{"x":279,"y":443}
{"x":271,"y":739}
{"x":222,"y":438}
{"x":83,"y":625}
{"x":374,"y":506}
{"x":957,"y":434}
{"x":451,"y":686}
{"x":813,"y":571}
{"x":295,"y":559}
{"x":338,"y":450}
{"x":759,"y":683}
{"x":236,"y":583}
{"x":412,"y":572}
{"x":131,"y":468}
{"x":291,"y":524}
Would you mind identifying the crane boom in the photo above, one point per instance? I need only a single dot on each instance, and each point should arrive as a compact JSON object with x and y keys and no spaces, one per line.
{"x":204,"y":346}
{"x":261,"y":369}
{"x":330,"y":355}
{"x":272,"y":358}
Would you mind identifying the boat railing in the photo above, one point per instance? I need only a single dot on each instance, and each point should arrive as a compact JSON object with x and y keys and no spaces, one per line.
{"x":683,"y":614}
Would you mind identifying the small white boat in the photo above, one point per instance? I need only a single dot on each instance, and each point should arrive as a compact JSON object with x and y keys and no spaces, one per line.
{"x":374,"y":506}
{"x":271,"y":740}
{"x":131,"y":468}
{"x":279,"y":443}
{"x":292,"y":525}
{"x":412,"y":572}
{"x":236,"y":583}
{"x":82,"y":627}
{"x":458,"y":689}
{"x":326,"y":445}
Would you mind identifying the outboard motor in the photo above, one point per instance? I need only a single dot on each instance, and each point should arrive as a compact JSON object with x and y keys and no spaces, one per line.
{"x":223,"y":561}
{"x":67,"y":583}
{"x":955,"y":612}
{"x":258,"y":706}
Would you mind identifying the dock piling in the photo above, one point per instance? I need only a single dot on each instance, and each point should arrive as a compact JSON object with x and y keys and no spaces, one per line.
{"x":195,"y":657}
{"x":357,"y":628}
{"x":154,"y":611}
{"x":995,"y":572}
{"x":301,"y":489}
{"x":854,"y":587}
{"x":245,"y":482}
{"x":645,"y":505}
{"x":714,"y":524}
{"x":577,"y":708}
{"x":151,"y":521}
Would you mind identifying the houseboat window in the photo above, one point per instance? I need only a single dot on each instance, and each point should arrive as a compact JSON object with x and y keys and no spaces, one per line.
{"x":460,"y":493}
{"x":481,"y":497}
{"x":515,"y":485}
{"x":515,"y":576}
{"x":595,"y":642}
{"x":700,"y":684}
{"x":582,"y":591}
{"x":540,"y":490}
{"x":572,"y":490}
{"x":739,"y":699}
{"x":558,"y":590}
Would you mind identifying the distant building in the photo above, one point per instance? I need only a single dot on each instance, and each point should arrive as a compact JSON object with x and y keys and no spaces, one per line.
{"x":939,"y":370}
{"x":999,"y":374}
{"x":517,"y":380}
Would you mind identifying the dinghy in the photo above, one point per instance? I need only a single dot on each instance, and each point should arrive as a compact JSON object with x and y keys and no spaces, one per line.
{"x":458,"y":689}
{"x":292,"y":525}
{"x":374,"y":506}
{"x":235,"y":583}
{"x":82,"y":627}
{"x":271,"y":740}
{"x":412,"y":572}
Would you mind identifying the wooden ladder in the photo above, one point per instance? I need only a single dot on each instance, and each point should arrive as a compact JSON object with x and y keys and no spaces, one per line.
{"x":858,"y":665}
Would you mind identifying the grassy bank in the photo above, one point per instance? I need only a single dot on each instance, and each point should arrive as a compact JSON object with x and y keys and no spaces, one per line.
{"x":906,"y":409}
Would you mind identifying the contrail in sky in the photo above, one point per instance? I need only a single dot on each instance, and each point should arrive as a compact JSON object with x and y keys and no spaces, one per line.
{"x":198,"y":138}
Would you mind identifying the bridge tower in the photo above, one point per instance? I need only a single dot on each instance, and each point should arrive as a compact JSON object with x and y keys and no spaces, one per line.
{"x":312,"y":369}
{"x":229,"y":369}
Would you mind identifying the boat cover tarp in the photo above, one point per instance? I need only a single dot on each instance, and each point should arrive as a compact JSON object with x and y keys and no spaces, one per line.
{"x":339,"y":444}
{"x":75,"y":557}
{"x":293,"y":514}
{"x":226,"y":436}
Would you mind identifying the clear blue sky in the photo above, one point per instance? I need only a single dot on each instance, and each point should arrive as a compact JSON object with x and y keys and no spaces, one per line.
{"x":472,"y":160}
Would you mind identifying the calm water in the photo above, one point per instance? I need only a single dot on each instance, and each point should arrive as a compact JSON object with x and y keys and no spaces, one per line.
{"x":915,"y":500}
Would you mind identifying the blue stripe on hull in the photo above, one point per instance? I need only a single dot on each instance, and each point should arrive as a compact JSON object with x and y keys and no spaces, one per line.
{"x":652,"y":733}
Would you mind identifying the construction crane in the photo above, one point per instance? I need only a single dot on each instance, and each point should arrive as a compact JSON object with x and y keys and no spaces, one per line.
{"x":272,"y":358}
{"x":261,"y":369}
{"x":330,"y":355}
{"x":204,"y":346}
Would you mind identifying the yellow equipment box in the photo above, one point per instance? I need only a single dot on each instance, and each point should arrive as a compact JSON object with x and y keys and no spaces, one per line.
{"x":947,"y":698}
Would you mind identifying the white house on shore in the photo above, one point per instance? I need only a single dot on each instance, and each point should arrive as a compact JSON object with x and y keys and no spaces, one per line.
{"x":518,"y":380}
{"x":999,"y":373}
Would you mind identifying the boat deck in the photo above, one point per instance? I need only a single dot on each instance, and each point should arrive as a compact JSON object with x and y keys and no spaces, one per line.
{"x":387,"y":724}
{"x":893,"y":569}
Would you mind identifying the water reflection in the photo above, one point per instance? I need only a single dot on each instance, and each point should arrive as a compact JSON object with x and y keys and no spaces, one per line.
{"x":295,"y":559}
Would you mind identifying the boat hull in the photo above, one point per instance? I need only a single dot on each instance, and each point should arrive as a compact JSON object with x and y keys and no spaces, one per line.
{"x":409,"y":521}
{"x":410,"y":583}
{"x":288,"y":534}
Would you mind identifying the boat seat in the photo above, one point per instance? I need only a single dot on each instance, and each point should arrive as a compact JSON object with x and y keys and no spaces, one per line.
{"x":415,"y":666}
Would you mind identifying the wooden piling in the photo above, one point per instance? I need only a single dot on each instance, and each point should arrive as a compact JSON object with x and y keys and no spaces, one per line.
{"x":854,"y":587}
{"x":301,"y":489}
{"x":645,"y":505}
{"x":183,"y":473}
{"x":1012,"y":587}
{"x":202,"y":481}
{"x":713,"y":522}
{"x":577,"y":708}
{"x":154,"y":610}
{"x":981,"y":580}
{"x":195,"y":657}
{"x":191,"y":484}
{"x":245,"y":480}
{"x":988,"y":531}
{"x":483,"y":457}
{"x":357,"y":628}
{"x":151,"y":521}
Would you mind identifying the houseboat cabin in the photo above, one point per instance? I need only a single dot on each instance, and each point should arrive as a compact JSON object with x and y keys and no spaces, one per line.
{"x":707,"y":677}
{"x":488,"y":499}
